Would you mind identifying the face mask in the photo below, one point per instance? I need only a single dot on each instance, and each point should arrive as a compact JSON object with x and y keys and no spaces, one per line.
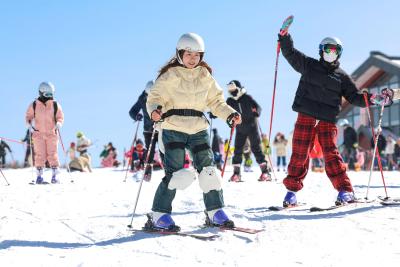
{"x":234,"y":93}
{"x":329,"y":57}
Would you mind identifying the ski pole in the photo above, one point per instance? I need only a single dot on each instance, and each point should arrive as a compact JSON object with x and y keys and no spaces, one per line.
{"x":11,"y":140}
{"x":133,"y":143}
{"x":284,"y":29}
{"x":141,"y":181}
{"x":375,"y":152}
{"x":65,"y":155}
{"x":4,"y":177}
{"x":32,"y":158}
{"x":227,"y":151}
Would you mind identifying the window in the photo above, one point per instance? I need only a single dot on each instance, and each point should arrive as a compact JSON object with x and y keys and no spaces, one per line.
{"x":395,"y":114}
{"x":385,"y":118}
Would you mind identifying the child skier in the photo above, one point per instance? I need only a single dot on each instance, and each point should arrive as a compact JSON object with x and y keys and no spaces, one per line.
{"x":280,"y":143}
{"x":250,"y":111}
{"x":44,"y":118}
{"x":318,"y":102}
{"x":183,"y":90}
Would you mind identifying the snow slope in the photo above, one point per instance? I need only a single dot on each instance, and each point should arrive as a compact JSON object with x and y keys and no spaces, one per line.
{"x":84,"y":224}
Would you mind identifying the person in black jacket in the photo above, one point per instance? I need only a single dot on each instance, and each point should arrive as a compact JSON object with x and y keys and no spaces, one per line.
{"x":147,"y":127}
{"x":250,"y":111}
{"x":3,"y":152}
{"x":29,"y":147}
{"x":318,"y":100}
{"x":350,"y":142}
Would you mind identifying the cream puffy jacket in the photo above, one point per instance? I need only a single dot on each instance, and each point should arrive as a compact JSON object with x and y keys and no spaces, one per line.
{"x":182,"y":88}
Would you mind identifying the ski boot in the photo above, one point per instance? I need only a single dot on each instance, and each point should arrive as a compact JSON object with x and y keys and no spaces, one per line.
{"x":218,"y":218}
{"x":265,"y":175}
{"x":290,"y":199}
{"x":147,"y":172}
{"x":236,"y":177}
{"x":158,"y":221}
{"x":39,"y":178}
{"x":54,"y":179}
{"x":344,"y":197}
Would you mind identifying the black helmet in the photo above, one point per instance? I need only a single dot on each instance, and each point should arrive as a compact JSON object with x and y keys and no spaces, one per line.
{"x":236,"y":83}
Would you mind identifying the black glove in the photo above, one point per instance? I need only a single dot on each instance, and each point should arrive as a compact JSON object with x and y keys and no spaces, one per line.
{"x":229,"y":120}
{"x":139,"y":117}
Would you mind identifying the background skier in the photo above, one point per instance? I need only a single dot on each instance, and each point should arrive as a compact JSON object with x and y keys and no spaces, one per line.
{"x":3,"y":152}
{"x":245,"y":105}
{"x":147,"y":127}
{"x":44,"y":118}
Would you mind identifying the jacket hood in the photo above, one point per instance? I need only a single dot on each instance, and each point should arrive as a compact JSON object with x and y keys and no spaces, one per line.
{"x":240,"y":94}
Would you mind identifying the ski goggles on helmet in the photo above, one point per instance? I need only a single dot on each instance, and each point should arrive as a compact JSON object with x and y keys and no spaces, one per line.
{"x":48,"y":94}
{"x":331,"y":48}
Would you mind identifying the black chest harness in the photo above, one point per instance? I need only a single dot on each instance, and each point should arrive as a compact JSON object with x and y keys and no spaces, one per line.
{"x":183,"y":112}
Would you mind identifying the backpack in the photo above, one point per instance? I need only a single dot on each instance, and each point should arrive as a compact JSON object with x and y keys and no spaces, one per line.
{"x":55,"y":107}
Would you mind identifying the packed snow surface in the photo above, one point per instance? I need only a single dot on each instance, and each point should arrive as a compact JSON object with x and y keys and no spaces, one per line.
{"x":84,"y":223}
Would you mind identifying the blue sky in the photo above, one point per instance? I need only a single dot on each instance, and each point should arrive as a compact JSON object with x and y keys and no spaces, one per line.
{"x":100,"y":54}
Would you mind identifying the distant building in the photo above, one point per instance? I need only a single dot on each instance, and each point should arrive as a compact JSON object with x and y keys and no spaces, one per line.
{"x":375,"y":73}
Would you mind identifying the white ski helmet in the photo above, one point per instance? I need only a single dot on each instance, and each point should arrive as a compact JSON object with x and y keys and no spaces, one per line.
{"x":191,"y":42}
{"x":343,"y":122}
{"x":331,"y":41}
{"x":149,"y":85}
{"x":46,"y":89}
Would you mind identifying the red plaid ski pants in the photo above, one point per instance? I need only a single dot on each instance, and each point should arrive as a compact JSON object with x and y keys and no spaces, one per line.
{"x":305,"y":130}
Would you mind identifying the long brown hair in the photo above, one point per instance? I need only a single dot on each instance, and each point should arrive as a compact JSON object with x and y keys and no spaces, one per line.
{"x":173,"y":62}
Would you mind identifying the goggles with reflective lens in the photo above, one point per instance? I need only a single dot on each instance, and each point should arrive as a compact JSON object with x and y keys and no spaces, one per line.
{"x":330,"y":48}
{"x":48,"y":94}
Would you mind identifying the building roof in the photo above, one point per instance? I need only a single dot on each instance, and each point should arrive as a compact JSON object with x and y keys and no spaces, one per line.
{"x":376,"y":65}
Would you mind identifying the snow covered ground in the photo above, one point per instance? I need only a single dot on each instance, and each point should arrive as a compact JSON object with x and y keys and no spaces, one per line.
{"x":84,"y":223}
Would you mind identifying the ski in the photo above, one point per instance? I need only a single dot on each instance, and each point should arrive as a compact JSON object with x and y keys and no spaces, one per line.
{"x":44,"y":183}
{"x":389,"y":199}
{"x":390,"y":203}
{"x":280,"y":208}
{"x":360,"y":201}
{"x":205,"y":237}
{"x":235,"y":228}
{"x":241,"y":229}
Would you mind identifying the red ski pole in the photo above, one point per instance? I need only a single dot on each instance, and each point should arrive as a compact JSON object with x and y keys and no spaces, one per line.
{"x":375,"y":150}
{"x":227,"y":151}
{"x":12,"y":140}
{"x":284,"y":29}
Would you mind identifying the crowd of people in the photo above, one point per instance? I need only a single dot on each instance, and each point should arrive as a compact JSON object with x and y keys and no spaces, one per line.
{"x":173,"y":106}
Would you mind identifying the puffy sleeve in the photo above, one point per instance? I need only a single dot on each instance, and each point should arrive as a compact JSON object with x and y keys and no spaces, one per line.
{"x":29,"y":114}
{"x":158,"y":93}
{"x":216,"y":101}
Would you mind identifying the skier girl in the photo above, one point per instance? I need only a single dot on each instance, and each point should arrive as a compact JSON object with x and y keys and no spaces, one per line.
{"x":183,"y":90}
{"x":250,"y":111}
{"x":318,"y":102}
{"x":44,"y":118}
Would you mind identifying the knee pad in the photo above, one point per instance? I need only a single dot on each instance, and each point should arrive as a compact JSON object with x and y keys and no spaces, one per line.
{"x":182,"y":179}
{"x":210,"y":179}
